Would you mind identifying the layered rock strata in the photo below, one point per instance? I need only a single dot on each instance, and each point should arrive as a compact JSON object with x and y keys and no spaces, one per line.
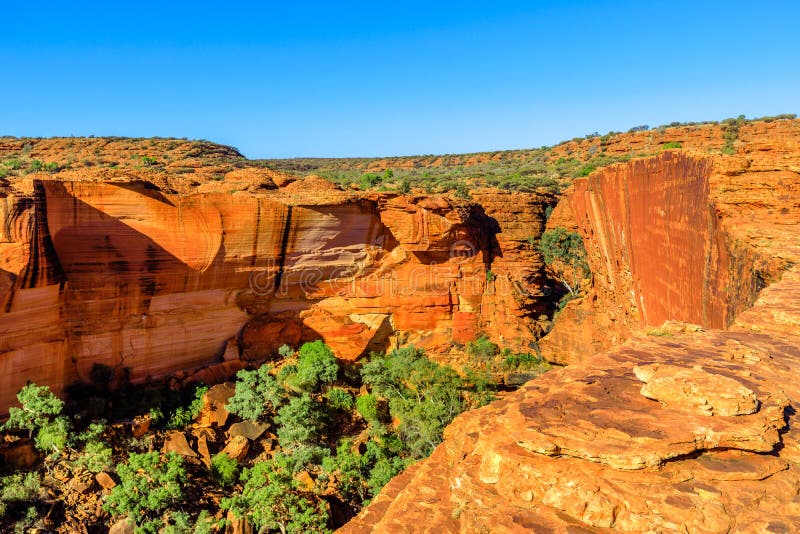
{"x":692,"y":428}
{"x":120,"y":277}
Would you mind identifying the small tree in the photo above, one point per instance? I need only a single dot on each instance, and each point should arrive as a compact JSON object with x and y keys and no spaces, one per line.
{"x":224,"y":469}
{"x":316,"y":366}
{"x":256,"y":392}
{"x":40,"y":413}
{"x":149,"y":484}
{"x":271,"y":499}
{"x":300,"y":423}
{"x":565,"y":256}
{"x":39,"y":407}
{"x":339,"y":399}
{"x":97,"y":456}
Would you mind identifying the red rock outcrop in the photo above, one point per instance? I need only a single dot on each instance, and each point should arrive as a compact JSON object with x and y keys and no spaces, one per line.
{"x":693,"y":428}
{"x":675,"y":237}
{"x":120,"y":274}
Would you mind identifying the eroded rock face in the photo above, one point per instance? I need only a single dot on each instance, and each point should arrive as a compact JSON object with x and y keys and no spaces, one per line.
{"x":118,"y":280}
{"x":682,"y":237}
{"x":586,"y":447}
{"x":691,"y":429}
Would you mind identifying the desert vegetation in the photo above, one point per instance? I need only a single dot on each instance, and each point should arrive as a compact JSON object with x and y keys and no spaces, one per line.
{"x":308,"y":442}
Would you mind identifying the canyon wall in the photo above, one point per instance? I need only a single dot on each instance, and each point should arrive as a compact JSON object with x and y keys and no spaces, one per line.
{"x":116,"y":280}
{"x":672,"y":238}
{"x":692,"y":428}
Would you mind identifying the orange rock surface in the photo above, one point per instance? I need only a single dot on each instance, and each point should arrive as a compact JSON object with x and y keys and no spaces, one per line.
{"x":115,"y":272}
{"x":692,"y":428}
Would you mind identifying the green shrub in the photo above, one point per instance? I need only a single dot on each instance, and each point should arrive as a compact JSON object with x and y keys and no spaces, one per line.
{"x":224,"y":469}
{"x":149,"y":484}
{"x":524,"y":362}
{"x":482,"y":348}
{"x":38,"y":407}
{"x":149,"y":161}
{"x":369,"y":180}
{"x":367,"y":407}
{"x":53,"y":435}
{"x":586,"y":170}
{"x":40,"y":413}
{"x":362,"y":475}
{"x":316,"y":366}
{"x":339,"y":399}
{"x":256,"y":392}
{"x":14,"y":164}
{"x":423,"y":396}
{"x":673,"y":144}
{"x":18,"y":490}
{"x":271,"y":499}
{"x":183,"y":416}
{"x":35,"y":166}
{"x":300,"y":423}
{"x":285,"y":351}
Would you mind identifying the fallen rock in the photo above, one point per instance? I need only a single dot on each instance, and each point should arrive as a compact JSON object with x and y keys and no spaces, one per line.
{"x":123,"y":526}
{"x":81,"y":483}
{"x":140,"y":425}
{"x":20,"y":455}
{"x":202,"y":448}
{"x":176,"y":442}
{"x":252,"y":430}
{"x":105,"y":480}
{"x":237,"y":526}
{"x":237,"y":448}
{"x":213,"y":412}
{"x":306,"y":480}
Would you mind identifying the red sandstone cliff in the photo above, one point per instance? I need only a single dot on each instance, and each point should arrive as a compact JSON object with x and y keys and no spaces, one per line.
{"x":104,"y":270}
{"x":692,"y":428}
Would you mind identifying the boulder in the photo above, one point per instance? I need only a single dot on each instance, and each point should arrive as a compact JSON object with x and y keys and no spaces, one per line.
{"x":176,"y":442}
{"x":213,"y":412}
{"x":237,"y":448}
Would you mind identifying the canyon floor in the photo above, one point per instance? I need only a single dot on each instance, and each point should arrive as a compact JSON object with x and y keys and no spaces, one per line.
{"x":672,"y":408}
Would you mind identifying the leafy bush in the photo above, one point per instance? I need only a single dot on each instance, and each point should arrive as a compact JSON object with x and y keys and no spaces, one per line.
{"x":362,"y":475}
{"x":285,"y":351}
{"x":316,"y":366}
{"x":339,"y":399}
{"x":369,"y":180}
{"x":185,"y":415}
{"x":53,"y":435}
{"x":300,"y":423}
{"x":39,"y":406}
{"x":19,"y":489}
{"x":149,"y":484}
{"x":256,"y":392}
{"x":673,"y":144}
{"x":40,"y":413}
{"x":272,"y":499}
{"x":149,"y":161}
{"x":523,"y":362}
{"x":482,"y":348}
{"x":224,"y":469}
{"x":367,"y":407}
{"x":423,"y":396}
{"x":586,"y":170}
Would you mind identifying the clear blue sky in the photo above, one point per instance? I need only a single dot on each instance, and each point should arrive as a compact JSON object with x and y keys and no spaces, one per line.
{"x":363,"y":79}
